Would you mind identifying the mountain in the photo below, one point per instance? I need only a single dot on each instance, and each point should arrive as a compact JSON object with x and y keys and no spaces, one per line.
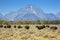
{"x":29,"y":16}
{"x":1,"y":17}
{"x":10,"y":16}
{"x":31,"y":12}
{"x":51,"y":16}
{"x":58,"y":15}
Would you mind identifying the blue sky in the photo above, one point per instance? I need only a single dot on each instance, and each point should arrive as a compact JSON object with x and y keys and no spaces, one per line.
{"x":48,"y":6}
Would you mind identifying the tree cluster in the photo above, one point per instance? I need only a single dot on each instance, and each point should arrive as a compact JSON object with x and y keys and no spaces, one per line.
{"x":31,"y":22}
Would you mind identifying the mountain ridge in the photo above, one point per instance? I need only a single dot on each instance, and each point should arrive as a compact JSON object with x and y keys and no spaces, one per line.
{"x":31,"y":13}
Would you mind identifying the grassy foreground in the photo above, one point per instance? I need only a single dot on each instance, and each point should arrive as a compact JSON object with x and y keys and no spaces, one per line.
{"x":31,"y":34}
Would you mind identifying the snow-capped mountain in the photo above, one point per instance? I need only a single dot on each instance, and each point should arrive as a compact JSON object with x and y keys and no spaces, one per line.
{"x":31,"y":12}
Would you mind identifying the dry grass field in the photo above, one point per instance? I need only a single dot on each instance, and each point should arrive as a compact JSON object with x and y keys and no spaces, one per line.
{"x":29,"y":34}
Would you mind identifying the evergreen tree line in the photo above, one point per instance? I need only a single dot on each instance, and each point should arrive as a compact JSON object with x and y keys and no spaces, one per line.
{"x":31,"y":22}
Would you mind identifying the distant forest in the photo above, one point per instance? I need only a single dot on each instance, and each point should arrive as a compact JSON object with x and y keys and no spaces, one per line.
{"x":31,"y":22}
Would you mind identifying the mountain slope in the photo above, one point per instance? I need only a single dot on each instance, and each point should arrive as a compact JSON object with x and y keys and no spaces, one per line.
{"x":36,"y":12}
{"x":1,"y":17}
{"x":51,"y":16}
{"x":58,"y":15}
{"x":31,"y":12}
{"x":10,"y":16}
{"x":29,"y":16}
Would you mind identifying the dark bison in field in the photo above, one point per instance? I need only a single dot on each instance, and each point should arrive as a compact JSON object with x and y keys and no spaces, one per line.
{"x":5,"y":26}
{"x":19,"y":26}
{"x":1,"y":25}
{"x":53,"y":28}
{"x":14,"y":26}
{"x":40,"y":27}
{"x":47,"y":26}
{"x":27,"y":27}
{"x":8,"y":26}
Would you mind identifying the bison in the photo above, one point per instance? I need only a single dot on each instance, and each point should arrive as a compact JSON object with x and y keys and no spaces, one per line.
{"x":27,"y":27}
{"x":40,"y":27}
{"x":19,"y":26}
{"x":1,"y":25}
{"x":15,"y":26}
{"x":8,"y":26}
{"x":5,"y":26}
{"x":53,"y":28}
{"x":47,"y":26}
